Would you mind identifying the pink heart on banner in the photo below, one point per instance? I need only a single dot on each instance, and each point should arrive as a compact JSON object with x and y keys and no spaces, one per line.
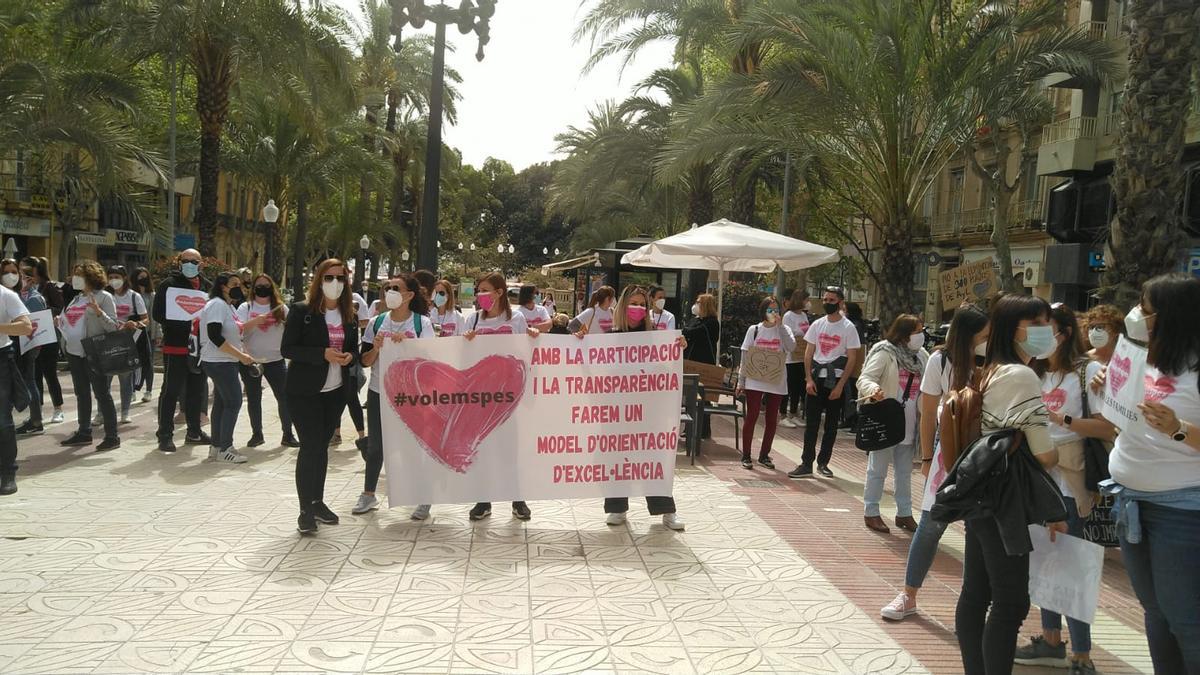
{"x":451,"y":411}
{"x":190,"y":303}
{"x":1118,"y":372}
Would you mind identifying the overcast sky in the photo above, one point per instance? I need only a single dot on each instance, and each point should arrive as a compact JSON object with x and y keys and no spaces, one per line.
{"x":528,"y":86}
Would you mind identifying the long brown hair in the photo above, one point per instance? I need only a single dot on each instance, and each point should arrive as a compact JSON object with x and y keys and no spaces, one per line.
{"x":450,"y":294}
{"x":603,"y":293}
{"x":316,"y":297}
{"x":903,"y":327}
{"x":498,"y":283}
{"x":276,"y":300}
{"x":1071,"y":350}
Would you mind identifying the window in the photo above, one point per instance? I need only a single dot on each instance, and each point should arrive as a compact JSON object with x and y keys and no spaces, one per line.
{"x":21,"y":181}
{"x":957,"y":178}
{"x":1030,"y":179}
{"x":929,"y":204}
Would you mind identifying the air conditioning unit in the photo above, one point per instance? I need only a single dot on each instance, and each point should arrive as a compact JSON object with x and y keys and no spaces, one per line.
{"x":1032,"y":275}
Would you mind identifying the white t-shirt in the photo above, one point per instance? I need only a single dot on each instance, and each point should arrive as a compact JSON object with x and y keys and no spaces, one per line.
{"x":799,"y":323}
{"x":130,"y":304}
{"x":935,"y":382}
{"x":337,"y":340}
{"x":663,"y":320}
{"x":220,"y":312}
{"x":831,"y":340}
{"x":597,"y":320}
{"x":361,"y":307}
{"x":262,"y":341}
{"x":499,"y":325}
{"x":533,"y":316}
{"x":374,"y":310}
{"x":1146,"y":460}
{"x":72,"y":321}
{"x":766,"y":338}
{"x":1060,"y":393}
{"x":389,"y":327}
{"x":11,"y":309}
{"x":449,"y":324}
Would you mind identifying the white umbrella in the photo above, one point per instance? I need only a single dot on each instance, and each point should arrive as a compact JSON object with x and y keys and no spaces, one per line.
{"x":727,"y":246}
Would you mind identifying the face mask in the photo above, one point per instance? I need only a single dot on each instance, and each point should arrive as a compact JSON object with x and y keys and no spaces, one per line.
{"x":771,"y":315}
{"x":144,"y":282}
{"x":190,"y":269}
{"x":77,"y":283}
{"x":439,"y":299}
{"x":1135,"y":324}
{"x":830,"y":307}
{"x":332,"y":289}
{"x":1098,"y":337}
{"x":10,"y":280}
{"x":537,"y":299}
{"x":635,"y":313}
{"x":696,"y":309}
{"x":236,"y":294}
{"x":1039,"y":342}
{"x":916,"y":341}
{"x":117,"y":284}
{"x":262,"y":291}
{"x":393,"y":299}
{"x":486,"y":301}
{"x":660,"y":303}
{"x":981,"y":349}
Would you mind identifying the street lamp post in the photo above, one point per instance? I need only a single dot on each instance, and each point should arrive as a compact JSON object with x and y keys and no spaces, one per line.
{"x":469,"y":16}
{"x":404,"y":256}
{"x":270,"y":215}
{"x":360,"y":268}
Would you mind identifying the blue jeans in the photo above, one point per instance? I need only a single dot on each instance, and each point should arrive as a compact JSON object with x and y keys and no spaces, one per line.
{"x":126,"y":382}
{"x":877,"y":471}
{"x":1081,"y":633}
{"x":922,"y":549}
{"x":226,"y":403}
{"x":1162,"y":569}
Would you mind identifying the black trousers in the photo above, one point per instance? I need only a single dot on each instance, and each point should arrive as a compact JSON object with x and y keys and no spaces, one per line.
{"x":275,"y":373}
{"x":796,"y":382}
{"x":374,"y":454}
{"x":88,"y":383}
{"x":47,"y":370}
{"x":178,"y":379}
{"x":354,"y":405}
{"x":316,"y":417}
{"x":8,"y":430}
{"x":657,"y":506}
{"x":813,"y":408}
{"x":991,"y":578}
{"x":146,"y":354}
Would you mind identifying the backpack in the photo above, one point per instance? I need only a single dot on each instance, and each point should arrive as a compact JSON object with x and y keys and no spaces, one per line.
{"x":960,"y":423}
{"x":416,"y":323}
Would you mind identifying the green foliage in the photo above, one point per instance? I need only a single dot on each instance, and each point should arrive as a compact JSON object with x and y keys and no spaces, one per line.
{"x":739,"y":312}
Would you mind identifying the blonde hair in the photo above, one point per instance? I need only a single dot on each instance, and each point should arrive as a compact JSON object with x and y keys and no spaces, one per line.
{"x":708,"y":304}
{"x":619,"y":318}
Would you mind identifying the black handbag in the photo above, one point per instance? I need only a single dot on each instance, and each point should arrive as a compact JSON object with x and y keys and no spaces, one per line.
{"x":881,"y":424}
{"x":112,"y":353}
{"x":1095,"y":453}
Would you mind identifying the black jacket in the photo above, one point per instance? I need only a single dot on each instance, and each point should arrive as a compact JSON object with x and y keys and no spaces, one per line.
{"x":702,"y":336}
{"x":999,"y":478}
{"x":174,"y":333}
{"x":305,"y":339}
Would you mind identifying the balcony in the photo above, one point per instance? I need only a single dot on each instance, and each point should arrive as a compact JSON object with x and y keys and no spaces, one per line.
{"x":1097,"y":30}
{"x":1067,"y":146}
{"x":1026,"y":215}
{"x":20,"y":197}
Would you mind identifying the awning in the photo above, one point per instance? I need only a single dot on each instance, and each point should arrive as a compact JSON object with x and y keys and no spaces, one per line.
{"x":573,"y":263}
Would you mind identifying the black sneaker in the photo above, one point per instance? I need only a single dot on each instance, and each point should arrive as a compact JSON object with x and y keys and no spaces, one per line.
{"x":802,"y":471}
{"x":202,"y":439}
{"x":521,"y":511}
{"x":322,"y":513}
{"x":306,"y":523}
{"x":766,"y":461}
{"x":746,"y":463}
{"x":8,"y":484}
{"x":289,"y":442}
{"x":78,"y":438}
{"x":30,"y":429}
{"x":480,"y":511}
{"x":166,"y":447}
{"x":255,"y":441}
{"x":108,"y":444}
{"x":824,"y":470}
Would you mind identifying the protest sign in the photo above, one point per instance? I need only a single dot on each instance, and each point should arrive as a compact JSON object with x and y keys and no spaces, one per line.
{"x":1125,"y":384}
{"x":509,"y":417}
{"x":43,"y":331}
{"x":1064,"y":575}
{"x":970,"y":282}
{"x":184,"y":304}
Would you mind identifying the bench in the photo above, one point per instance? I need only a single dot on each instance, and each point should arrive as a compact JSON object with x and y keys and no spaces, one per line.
{"x":715,"y":382}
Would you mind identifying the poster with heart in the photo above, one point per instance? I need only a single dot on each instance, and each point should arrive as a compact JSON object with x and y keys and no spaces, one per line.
{"x":505,"y":417}
{"x":43,"y":331}
{"x":1125,"y":384}
{"x":184,"y":304}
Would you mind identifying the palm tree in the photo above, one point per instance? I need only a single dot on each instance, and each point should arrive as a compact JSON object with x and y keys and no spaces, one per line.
{"x":1147,"y":237}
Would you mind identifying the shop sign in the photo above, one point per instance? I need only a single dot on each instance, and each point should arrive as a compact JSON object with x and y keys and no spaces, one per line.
{"x":20,"y":225}
{"x":1192,"y":264}
{"x":91,"y":238}
{"x":130,"y":237}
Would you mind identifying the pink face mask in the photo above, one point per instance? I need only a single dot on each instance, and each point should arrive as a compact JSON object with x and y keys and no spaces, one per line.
{"x":486,"y":301}
{"x":635,"y":313}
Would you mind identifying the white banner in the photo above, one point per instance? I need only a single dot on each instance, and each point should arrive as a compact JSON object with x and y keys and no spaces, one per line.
{"x":184,"y":304}
{"x":509,"y":417}
{"x":1125,"y":384}
{"x":43,"y":331}
{"x":1064,"y":575}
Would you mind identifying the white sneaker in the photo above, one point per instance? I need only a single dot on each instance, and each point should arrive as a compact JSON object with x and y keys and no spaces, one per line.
{"x":786,"y":421}
{"x":230,"y":455}
{"x":125,"y":419}
{"x":365,"y":503}
{"x":57,"y":418}
{"x":213,"y":451}
{"x":900,"y":608}
{"x":421,"y":512}
{"x":97,"y":420}
{"x":147,"y":397}
{"x":615,"y":519}
{"x":673,"y":521}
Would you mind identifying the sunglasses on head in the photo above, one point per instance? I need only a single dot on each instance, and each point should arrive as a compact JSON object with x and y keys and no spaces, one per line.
{"x":335,"y":277}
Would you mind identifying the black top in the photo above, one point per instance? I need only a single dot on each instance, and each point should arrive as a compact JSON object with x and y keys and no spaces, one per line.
{"x":305,"y":339}
{"x":174,"y":333}
{"x":702,"y":335}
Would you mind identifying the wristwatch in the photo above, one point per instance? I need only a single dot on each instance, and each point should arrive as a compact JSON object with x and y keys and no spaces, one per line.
{"x":1182,"y":434}
{"x":1067,"y":419}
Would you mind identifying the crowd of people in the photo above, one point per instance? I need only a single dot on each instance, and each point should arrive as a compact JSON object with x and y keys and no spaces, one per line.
{"x":1024,"y":364}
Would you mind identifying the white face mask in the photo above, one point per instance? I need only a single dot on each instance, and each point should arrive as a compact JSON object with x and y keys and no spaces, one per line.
{"x":1098,"y":337}
{"x":117,"y":284}
{"x":332,"y":289}
{"x":660,"y":303}
{"x":1135,"y":324}
{"x":10,"y":280}
{"x":916,"y":341}
{"x":981,"y":349}
{"x":77,"y":283}
{"x":394,"y":299}
{"x":696,"y":309}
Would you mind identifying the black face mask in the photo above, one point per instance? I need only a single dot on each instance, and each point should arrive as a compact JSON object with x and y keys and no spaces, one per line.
{"x":262,"y":291}
{"x":236,"y":294}
{"x":831,"y":307}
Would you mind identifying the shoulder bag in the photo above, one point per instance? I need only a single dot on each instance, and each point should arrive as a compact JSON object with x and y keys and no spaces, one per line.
{"x":881,"y":424}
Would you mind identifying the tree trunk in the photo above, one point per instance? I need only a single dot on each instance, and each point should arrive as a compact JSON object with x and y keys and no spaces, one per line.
{"x":1008,"y":282}
{"x":897,"y":269}
{"x":1147,"y":236}
{"x":214,"y":78}
{"x":298,"y":247}
{"x":700,"y":207}
{"x":744,"y":193}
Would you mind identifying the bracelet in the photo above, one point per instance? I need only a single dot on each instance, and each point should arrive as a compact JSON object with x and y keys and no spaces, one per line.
{"x":926,"y":459}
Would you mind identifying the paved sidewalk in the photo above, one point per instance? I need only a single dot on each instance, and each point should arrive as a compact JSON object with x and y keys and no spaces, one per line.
{"x":131,"y":561}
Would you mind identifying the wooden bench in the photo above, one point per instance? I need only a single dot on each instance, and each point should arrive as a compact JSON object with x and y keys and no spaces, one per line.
{"x":715,"y":382}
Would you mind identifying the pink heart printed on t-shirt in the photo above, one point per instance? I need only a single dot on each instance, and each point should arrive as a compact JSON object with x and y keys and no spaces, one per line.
{"x":828,"y":342}
{"x":1157,"y":390}
{"x":499,"y":330}
{"x":451,"y":411}
{"x":1118,"y":372}
{"x":190,"y":303}
{"x":1054,"y":399}
{"x":74,"y":313}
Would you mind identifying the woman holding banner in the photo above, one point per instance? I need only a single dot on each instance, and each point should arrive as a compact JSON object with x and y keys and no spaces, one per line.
{"x":496,"y":317}
{"x":405,"y":320}
{"x":598,"y":317}
{"x":321,"y":340}
{"x":1155,"y":468}
{"x":632,"y":316}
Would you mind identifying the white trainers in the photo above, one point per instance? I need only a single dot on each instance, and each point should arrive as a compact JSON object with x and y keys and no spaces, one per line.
{"x":125,"y":419}
{"x":673,"y":521}
{"x":97,"y":419}
{"x":900,"y":608}
{"x":421,"y":512}
{"x":615,"y":519}
{"x":147,"y":397}
{"x":786,"y":421}
{"x":57,"y":418}
{"x":365,"y":503}
{"x":229,"y":455}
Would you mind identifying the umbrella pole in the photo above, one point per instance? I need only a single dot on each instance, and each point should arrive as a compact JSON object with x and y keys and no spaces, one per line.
{"x":720,"y":305}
